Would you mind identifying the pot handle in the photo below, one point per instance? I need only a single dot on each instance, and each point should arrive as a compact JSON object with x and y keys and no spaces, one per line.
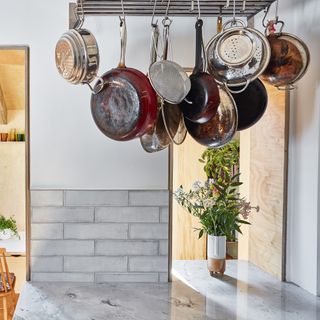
{"x":287,"y":87}
{"x":166,"y":24}
{"x":154,"y":43}
{"x":270,"y":28}
{"x":236,"y":91}
{"x":233,"y":22}
{"x":123,"y":39}
{"x":199,"y":58}
{"x":98,"y":86}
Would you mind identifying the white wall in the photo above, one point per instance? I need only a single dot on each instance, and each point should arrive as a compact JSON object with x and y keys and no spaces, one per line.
{"x":302,"y":19}
{"x":67,"y":150}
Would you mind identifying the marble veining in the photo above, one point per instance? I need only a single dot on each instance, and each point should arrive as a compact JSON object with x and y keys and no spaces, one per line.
{"x":244,"y":293}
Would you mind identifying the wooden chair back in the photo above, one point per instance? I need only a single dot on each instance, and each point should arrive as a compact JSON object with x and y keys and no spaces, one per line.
{"x":4,"y":271}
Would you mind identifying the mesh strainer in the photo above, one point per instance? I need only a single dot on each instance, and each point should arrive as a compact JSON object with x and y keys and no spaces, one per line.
{"x":168,"y":78}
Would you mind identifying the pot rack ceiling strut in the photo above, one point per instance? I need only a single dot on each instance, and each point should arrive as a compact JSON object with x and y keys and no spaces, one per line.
{"x":208,"y":8}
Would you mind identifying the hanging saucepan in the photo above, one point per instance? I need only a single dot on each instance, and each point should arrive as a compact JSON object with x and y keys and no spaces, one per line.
{"x":77,"y":54}
{"x":289,"y":60}
{"x":126,"y":106}
{"x":202,"y":101}
{"x":220,"y":129}
{"x":169,"y":79}
{"x":251,"y":104}
{"x":157,"y":138}
{"x":237,"y":55}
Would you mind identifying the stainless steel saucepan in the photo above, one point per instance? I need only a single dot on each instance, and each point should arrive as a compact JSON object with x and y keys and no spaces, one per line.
{"x":77,"y":54}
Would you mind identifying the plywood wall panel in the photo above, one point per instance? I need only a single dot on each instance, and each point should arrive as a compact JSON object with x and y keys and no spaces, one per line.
{"x":267,"y":163}
{"x":186,"y":169}
{"x":12,"y":81}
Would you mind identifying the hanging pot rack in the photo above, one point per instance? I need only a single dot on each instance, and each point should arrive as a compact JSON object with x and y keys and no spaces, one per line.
{"x":177,"y":8}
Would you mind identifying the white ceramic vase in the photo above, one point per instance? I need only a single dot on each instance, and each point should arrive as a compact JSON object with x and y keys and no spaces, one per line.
{"x":216,"y":254}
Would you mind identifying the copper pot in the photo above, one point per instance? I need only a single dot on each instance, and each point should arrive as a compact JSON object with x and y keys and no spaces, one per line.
{"x":289,"y":60}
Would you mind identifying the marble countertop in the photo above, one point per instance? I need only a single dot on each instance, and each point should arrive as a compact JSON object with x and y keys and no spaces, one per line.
{"x":244,"y":293}
{"x":247,"y":292}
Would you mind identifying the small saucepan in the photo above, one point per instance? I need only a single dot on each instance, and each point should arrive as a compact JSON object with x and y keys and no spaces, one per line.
{"x":77,"y":54}
{"x":202,"y":101}
{"x":289,"y":60}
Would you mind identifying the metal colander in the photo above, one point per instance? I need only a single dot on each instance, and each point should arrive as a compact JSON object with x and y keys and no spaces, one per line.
{"x":236,"y":47}
{"x":237,"y":76}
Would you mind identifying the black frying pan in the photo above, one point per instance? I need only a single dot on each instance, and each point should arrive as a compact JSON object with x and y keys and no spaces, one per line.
{"x":251,"y":104}
{"x":202,"y":101}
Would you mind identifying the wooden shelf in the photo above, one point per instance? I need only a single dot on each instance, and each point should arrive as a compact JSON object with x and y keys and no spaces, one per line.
{"x":12,"y":142}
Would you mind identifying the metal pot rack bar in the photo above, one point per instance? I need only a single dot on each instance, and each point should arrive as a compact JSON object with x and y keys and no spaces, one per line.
{"x":177,"y":7}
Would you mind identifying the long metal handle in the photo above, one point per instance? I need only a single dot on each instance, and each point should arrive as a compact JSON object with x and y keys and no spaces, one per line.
{"x":154,"y":43}
{"x":166,"y":23}
{"x":123,"y":38}
{"x":199,"y":59}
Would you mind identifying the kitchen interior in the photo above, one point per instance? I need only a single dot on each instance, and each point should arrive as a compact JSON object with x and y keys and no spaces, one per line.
{"x":98,"y":220}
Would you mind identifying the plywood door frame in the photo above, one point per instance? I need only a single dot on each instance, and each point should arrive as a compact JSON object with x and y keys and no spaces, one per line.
{"x":26,"y":50}
{"x":285,"y":194}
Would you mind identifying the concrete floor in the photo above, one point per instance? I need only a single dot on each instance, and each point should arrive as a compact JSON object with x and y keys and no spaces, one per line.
{"x":244,"y":293}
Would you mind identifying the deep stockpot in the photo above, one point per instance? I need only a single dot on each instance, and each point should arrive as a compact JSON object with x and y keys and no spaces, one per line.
{"x":77,"y":56}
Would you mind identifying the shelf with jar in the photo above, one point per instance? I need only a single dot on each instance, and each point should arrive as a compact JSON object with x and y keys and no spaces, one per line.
{"x":13,"y":136}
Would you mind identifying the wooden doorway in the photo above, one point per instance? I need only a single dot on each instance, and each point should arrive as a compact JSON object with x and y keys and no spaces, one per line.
{"x":14,"y":155}
{"x":263,"y":163}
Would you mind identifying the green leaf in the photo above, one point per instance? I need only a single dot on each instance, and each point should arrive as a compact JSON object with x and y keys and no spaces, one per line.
{"x":235,"y":176}
{"x":236,"y":184}
{"x":200,"y":233}
{"x":243,"y":221}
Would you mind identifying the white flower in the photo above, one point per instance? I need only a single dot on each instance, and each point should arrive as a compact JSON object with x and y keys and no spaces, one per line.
{"x":197,"y":185}
{"x":208,"y":203}
{"x":178,"y":193}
